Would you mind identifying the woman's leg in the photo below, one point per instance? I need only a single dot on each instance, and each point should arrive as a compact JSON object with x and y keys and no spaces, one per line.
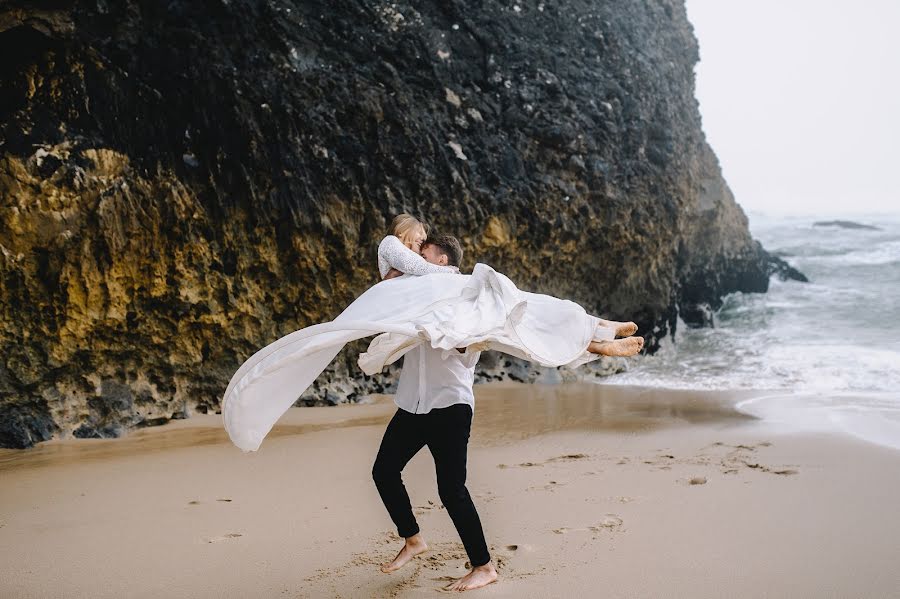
{"x":623,"y":329}
{"x":620,"y":347}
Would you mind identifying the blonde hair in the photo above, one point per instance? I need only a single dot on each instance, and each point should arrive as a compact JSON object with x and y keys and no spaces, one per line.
{"x":404,"y":223}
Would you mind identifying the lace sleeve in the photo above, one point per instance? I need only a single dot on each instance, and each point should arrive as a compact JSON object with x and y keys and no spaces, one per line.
{"x":393,"y":254}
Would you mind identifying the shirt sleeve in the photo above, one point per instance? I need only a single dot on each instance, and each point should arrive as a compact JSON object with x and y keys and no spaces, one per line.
{"x":392,"y":252}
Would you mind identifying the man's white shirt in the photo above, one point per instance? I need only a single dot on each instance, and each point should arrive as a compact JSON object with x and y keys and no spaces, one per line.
{"x":433,"y":378}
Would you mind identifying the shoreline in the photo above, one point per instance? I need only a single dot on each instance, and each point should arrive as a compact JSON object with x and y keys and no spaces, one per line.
{"x":516,"y":411}
{"x":577,"y":404}
{"x":638,"y":492}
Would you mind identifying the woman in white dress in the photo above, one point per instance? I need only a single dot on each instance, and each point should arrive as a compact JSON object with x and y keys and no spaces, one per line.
{"x":417,"y":303}
{"x":399,"y":254}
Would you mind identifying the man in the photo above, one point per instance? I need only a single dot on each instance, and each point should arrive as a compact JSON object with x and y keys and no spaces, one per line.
{"x":435,"y":404}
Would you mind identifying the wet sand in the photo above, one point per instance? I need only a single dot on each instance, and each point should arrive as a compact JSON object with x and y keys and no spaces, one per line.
{"x":584,"y":490}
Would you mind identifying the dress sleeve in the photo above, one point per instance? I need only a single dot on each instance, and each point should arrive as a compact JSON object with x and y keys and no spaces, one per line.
{"x":393,"y":254}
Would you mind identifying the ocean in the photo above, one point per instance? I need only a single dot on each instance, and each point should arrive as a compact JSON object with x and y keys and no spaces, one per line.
{"x":825,"y":355}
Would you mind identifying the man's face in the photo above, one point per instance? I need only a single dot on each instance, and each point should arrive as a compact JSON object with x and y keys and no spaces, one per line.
{"x":432,"y":253}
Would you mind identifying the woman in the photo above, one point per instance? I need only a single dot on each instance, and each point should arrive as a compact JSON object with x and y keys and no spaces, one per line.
{"x":398,"y":254}
{"x":438,"y":306}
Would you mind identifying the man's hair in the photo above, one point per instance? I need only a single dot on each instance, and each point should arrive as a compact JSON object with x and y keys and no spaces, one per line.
{"x":449,"y":246}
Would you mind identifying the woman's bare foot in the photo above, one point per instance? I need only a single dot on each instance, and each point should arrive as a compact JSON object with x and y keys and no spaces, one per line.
{"x":623,"y":329}
{"x":414,"y":546}
{"x":475,"y":579}
{"x":620,"y":347}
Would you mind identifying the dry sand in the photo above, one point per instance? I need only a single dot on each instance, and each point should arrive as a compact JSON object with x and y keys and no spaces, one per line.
{"x":583,"y":490}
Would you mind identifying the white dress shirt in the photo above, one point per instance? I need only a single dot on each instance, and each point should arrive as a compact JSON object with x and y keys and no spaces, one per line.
{"x":433,"y":378}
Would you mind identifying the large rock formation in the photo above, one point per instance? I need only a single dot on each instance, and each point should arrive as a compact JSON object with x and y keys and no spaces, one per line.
{"x":183,"y":182}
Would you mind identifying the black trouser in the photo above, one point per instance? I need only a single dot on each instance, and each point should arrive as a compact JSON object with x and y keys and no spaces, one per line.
{"x":446,"y":433}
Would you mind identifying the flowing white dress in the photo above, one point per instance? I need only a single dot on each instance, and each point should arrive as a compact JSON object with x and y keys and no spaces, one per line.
{"x":445,"y":309}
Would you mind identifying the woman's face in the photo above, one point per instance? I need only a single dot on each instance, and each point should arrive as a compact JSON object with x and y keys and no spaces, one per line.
{"x":414,"y":238}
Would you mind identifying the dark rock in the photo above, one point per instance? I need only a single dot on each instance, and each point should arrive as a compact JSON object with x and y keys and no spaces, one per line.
{"x":152,"y":421}
{"x":114,"y":398}
{"x":697,"y":315}
{"x":89,"y":431}
{"x":845,"y":224}
{"x":784,"y":271}
{"x":24,"y":424}
{"x":181,"y":184}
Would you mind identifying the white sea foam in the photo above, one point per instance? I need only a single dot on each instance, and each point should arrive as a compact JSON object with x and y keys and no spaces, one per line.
{"x":885,"y":253}
{"x":865,"y":416}
{"x":832,"y":345}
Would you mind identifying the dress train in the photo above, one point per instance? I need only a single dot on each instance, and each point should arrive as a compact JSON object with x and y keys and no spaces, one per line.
{"x":484,"y":310}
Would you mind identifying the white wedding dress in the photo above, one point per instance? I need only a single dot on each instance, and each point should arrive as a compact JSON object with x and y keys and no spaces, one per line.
{"x":445,"y":309}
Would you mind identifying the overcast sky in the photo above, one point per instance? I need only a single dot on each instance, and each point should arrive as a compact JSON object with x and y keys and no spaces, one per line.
{"x":800,"y":100}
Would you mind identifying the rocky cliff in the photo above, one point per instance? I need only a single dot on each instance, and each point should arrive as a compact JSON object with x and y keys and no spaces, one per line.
{"x":183,"y":182}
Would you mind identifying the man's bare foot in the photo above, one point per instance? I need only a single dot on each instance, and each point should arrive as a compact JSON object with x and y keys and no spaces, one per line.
{"x":623,"y":329}
{"x":475,"y":579}
{"x":414,"y":546}
{"x":620,"y":347}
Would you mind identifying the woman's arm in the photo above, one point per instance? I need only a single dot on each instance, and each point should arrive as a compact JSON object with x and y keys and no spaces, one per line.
{"x":393,"y":254}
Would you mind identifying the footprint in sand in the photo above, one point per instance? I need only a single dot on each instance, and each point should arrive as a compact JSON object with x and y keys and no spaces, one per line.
{"x":422,"y":509}
{"x":691,"y":481}
{"x":224,"y":537}
{"x":569,"y":457}
{"x":740,"y":457}
{"x":610,"y":522}
{"x":785,"y":472}
{"x":486,"y":496}
{"x":550,"y":486}
{"x":731,"y":465}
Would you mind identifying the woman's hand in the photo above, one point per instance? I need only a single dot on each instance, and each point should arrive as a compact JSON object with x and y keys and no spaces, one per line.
{"x":392,"y":273}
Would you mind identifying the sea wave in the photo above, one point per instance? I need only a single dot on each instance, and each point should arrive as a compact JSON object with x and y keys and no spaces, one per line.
{"x":836,"y":337}
{"x":887,"y":252}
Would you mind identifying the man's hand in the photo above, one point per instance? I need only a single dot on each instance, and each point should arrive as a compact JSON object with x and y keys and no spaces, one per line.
{"x":392,"y":273}
{"x":482,"y":346}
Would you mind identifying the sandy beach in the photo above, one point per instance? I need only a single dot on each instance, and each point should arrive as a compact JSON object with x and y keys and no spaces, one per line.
{"x":583,"y":490}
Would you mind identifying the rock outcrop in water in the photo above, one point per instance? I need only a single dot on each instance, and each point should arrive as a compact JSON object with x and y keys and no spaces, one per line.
{"x":845,"y":224}
{"x":182,"y":183}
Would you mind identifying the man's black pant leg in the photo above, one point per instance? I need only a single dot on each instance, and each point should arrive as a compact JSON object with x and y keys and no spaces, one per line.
{"x":448,"y":439}
{"x":404,"y":437}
